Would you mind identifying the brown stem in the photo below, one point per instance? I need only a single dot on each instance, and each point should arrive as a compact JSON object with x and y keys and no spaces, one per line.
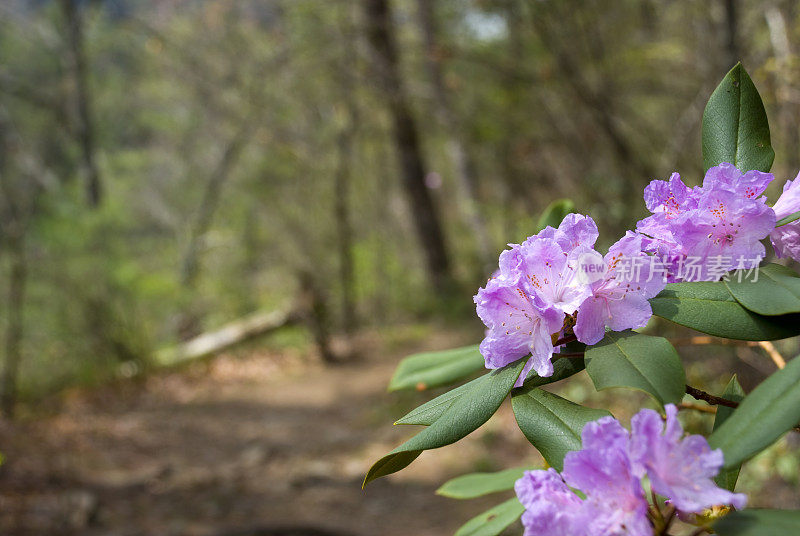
{"x":565,"y":339}
{"x":656,"y":510}
{"x":570,"y":354}
{"x":711,"y":399}
{"x":670,"y":517}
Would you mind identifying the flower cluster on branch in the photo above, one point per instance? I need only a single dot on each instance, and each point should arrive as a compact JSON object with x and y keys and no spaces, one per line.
{"x":608,"y":472}
{"x":556,"y":284}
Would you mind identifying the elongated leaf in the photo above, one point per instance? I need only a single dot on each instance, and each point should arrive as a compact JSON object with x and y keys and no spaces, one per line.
{"x":762,"y":417}
{"x":630,"y":359}
{"x":709,"y":307}
{"x":735,"y":126}
{"x":727,"y":477}
{"x":771,"y":290}
{"x":494,"y":521}
{"x":479,"y":484}
{"x":552,"y":424}
{"x":759,"y":523}
{"x":427,"y":413}
{"x":788,"y":219}
{"x":467,"y":413}
{"x":555,"y":212}
{"x":433,"y":369}
{"x":430,"y":411}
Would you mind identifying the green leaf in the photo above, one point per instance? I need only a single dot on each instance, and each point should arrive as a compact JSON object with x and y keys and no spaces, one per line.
{"x":630,"y":359}
{"x":563,"y":367}
{"x":427,"y":413}
{"x":466,"y":413}
{"x":555,"y":212}
{"x":727,"y":477}
{"x":771,"y":290}
{"x":735,"y":126}
{"x":709,"y":307}
{"x":759,"y":523}
{"x":788,"y":219}
{"x":762,"y":417}
{"x":479,"y":484}
{"x":433,"y":369}
{"x":493,"y":521}
{"x":552,"y":424}
{"x":430,"y":411}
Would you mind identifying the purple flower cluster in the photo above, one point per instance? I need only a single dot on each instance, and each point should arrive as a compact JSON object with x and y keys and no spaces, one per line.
{"x":555,"y":284}
{"x":533,"y":299}
{"x":720,"y":223}
{"x":608,"y":471}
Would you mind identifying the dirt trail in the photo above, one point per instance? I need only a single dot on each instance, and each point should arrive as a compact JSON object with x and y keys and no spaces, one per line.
{"x":240,"y":446}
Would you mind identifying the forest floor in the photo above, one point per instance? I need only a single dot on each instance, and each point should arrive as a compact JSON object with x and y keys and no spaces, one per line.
{"x":258,"y":442}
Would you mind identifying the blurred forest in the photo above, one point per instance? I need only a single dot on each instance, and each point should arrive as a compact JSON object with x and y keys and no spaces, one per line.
{"x":168,"y":167}
{"x":171,"y":165}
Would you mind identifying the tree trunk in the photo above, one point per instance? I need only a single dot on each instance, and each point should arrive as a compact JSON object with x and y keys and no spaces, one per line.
{"x":211,"y":196}
{"x":731,"y":34}
{"x":83,"y":110}
{"x":466,"y":176}
{"x":314,"y":309}
{"x":189,"y":321}
{"x":345,"y":230}
{"x":15,"y":323}
{"x":345,"y":73}
{"x":429,"y":230}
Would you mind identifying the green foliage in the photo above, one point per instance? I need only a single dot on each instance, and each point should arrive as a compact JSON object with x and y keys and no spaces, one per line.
{"x":733,"y":391}
{"x":763,"y":416}
{"x":710,"y":308}
{"x":771,"y":290}
{"x":479,"y":484}
{"x":630,"y":359}
{"x":735,"y":126}
{"x":552,"y":424}
{"x":493,"y":521}
{"x":427,"y":413}
{"x":466,"y":413}
{"x":434,"y":369}
{"x":430,"y":411}
{"x":759,"y":523}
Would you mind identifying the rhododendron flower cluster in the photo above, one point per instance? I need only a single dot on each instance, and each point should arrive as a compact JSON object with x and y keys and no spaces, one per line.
{"x":556,"y":287}
{"x":718,"y":225}
{"x":608,"y":471}
{"x":530,"y":303}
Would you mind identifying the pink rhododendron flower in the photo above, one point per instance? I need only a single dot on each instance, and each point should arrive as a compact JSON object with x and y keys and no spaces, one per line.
{"x":525,"y":304}
{"x":619,"y":299}
{"x":608,"y":471}
{"x":679,"y":468}
{"x":717,"y":227}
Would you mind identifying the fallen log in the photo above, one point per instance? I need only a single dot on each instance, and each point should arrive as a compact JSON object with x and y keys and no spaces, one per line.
{"x":229,"y":335}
